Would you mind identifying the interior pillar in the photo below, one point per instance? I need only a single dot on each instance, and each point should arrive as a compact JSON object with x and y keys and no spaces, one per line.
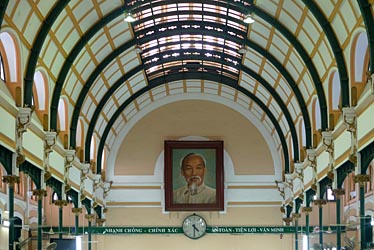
{"x":11,"y":216}
{"x":307,"y":210}
{"x":89,"y":217}
{"x":60,"y":204}
{"x":11,"y":180}
{"x":362,"y":217}
{"x":77,"y":211}
{"x":338,"y":193}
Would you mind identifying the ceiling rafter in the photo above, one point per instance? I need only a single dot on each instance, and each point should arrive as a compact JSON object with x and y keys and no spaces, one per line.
{"x":151,"y":86}
{"x":306,"y":58}
{"x":336,"y":48}
{"x":37,"y":47}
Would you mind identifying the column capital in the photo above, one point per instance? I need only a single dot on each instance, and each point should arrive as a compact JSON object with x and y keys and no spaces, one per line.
{"x":296,"y":216}
{"x":61,"y":203}
{"x":306,"y":210}
{"x":90,"y":217}
{"x":76,"y":210}
{"x":100,"y":222}
{"x":11,"y":180}
{"x":361,"y":179}
{"x":320,"y":202}
{"x":287,"y":221}
{"x":338,"y":192}
{"x":40,"y":193}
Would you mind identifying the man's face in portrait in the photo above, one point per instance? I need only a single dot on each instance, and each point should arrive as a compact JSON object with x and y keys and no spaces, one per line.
{"x":193,"y":170}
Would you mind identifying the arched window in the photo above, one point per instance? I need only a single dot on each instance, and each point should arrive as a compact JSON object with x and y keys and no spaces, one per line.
{"x":302,"y":133}
{"x":2,"y":70}
{"x":62,"y":114}
{"x":79,"y":134}
{"x":317,"y":115}
{"x":360,"y":51}
{"x":93,"y":148}
{"x":103,"y":163}
{"x":9,"y":59}
{"x":335,"y":92}
{"x":40,"y":89}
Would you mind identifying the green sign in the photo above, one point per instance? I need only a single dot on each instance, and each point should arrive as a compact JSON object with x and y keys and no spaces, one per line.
{"x":251,"y":230}
{"x":136,"y":230}
{"x":178,"y":230}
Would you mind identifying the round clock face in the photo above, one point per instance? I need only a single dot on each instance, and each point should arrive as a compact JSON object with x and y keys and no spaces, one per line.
{"x":194,"y":226}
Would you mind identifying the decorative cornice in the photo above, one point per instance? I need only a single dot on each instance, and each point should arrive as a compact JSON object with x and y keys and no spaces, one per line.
{"x":11,"y":180}
{"x":100,"y":222}
{"x":89,"y":217}
{"x":40,"y":193}
{"x":338,"y":192}
{"x":296,"y":216}
{"x":320,"y":202}
{"x":61,"y":203}
{"x":306,"y":210}
{"x":76,"y":210}
{"x":287,"y":221}
{"x":361,"y":179}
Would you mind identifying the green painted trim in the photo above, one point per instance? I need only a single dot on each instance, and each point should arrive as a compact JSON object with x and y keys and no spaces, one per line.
{"x":74,"y":53}
{"x":367,"y":14}
{"x":320,"y":220}
{"x":6,"y":159}
{"x":40,"y":223}
{"x":338,"y":230}
{"x":179,"y":230}
{"x":11,"y":217}
{"x":3,"y":6}
{"x":336,"y":49}
{"x":33,"y":171}
{"x":37,"y":47}
{"x":305,"y":57}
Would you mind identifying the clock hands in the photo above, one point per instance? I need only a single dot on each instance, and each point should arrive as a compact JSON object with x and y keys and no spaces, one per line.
{"x":194,"y":229}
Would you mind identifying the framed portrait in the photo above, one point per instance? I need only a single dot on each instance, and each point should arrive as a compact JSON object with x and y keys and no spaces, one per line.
{"x":194,"y":176}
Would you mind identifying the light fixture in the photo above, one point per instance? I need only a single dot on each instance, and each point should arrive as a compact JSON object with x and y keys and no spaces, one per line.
{"x":129,"y":17}
{"x":329,"y":230}
{"x":6,"y":223}
{"x":248,"y":18}
{"x":242,"y":49}
{"x":138,"y":49}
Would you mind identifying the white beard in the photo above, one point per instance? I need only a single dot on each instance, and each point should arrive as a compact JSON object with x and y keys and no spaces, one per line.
{"x":193,"y":188}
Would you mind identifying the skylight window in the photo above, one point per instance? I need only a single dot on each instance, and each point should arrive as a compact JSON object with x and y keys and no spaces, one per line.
{"x":201,"y":37}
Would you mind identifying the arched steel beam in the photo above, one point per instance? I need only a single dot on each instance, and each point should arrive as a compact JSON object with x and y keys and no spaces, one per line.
{"x":293,"y":85}
{"x":306,"y":58}
{"x":72,"y":56}
{"x":33,"y":171}
{"x":127,"y":45}
{"x":151,"y":86}
{"x":367,"y":15}
{"x":102,"y":103}
{"x":3,"y":5}
{"x":292,"y":39}
{"x":282,"y":105}
{"x":336,"y":48}
{"x":82,"y":95}
{"x":36,"y":48}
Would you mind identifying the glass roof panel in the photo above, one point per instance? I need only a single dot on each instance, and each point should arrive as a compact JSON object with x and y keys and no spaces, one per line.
{"x":196,"y":37}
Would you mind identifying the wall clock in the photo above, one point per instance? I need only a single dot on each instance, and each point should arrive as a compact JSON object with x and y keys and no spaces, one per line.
{"x":194,"y":226}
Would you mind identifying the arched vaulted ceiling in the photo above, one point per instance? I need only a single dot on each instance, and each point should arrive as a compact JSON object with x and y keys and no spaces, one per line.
{"x":187,"y":47}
